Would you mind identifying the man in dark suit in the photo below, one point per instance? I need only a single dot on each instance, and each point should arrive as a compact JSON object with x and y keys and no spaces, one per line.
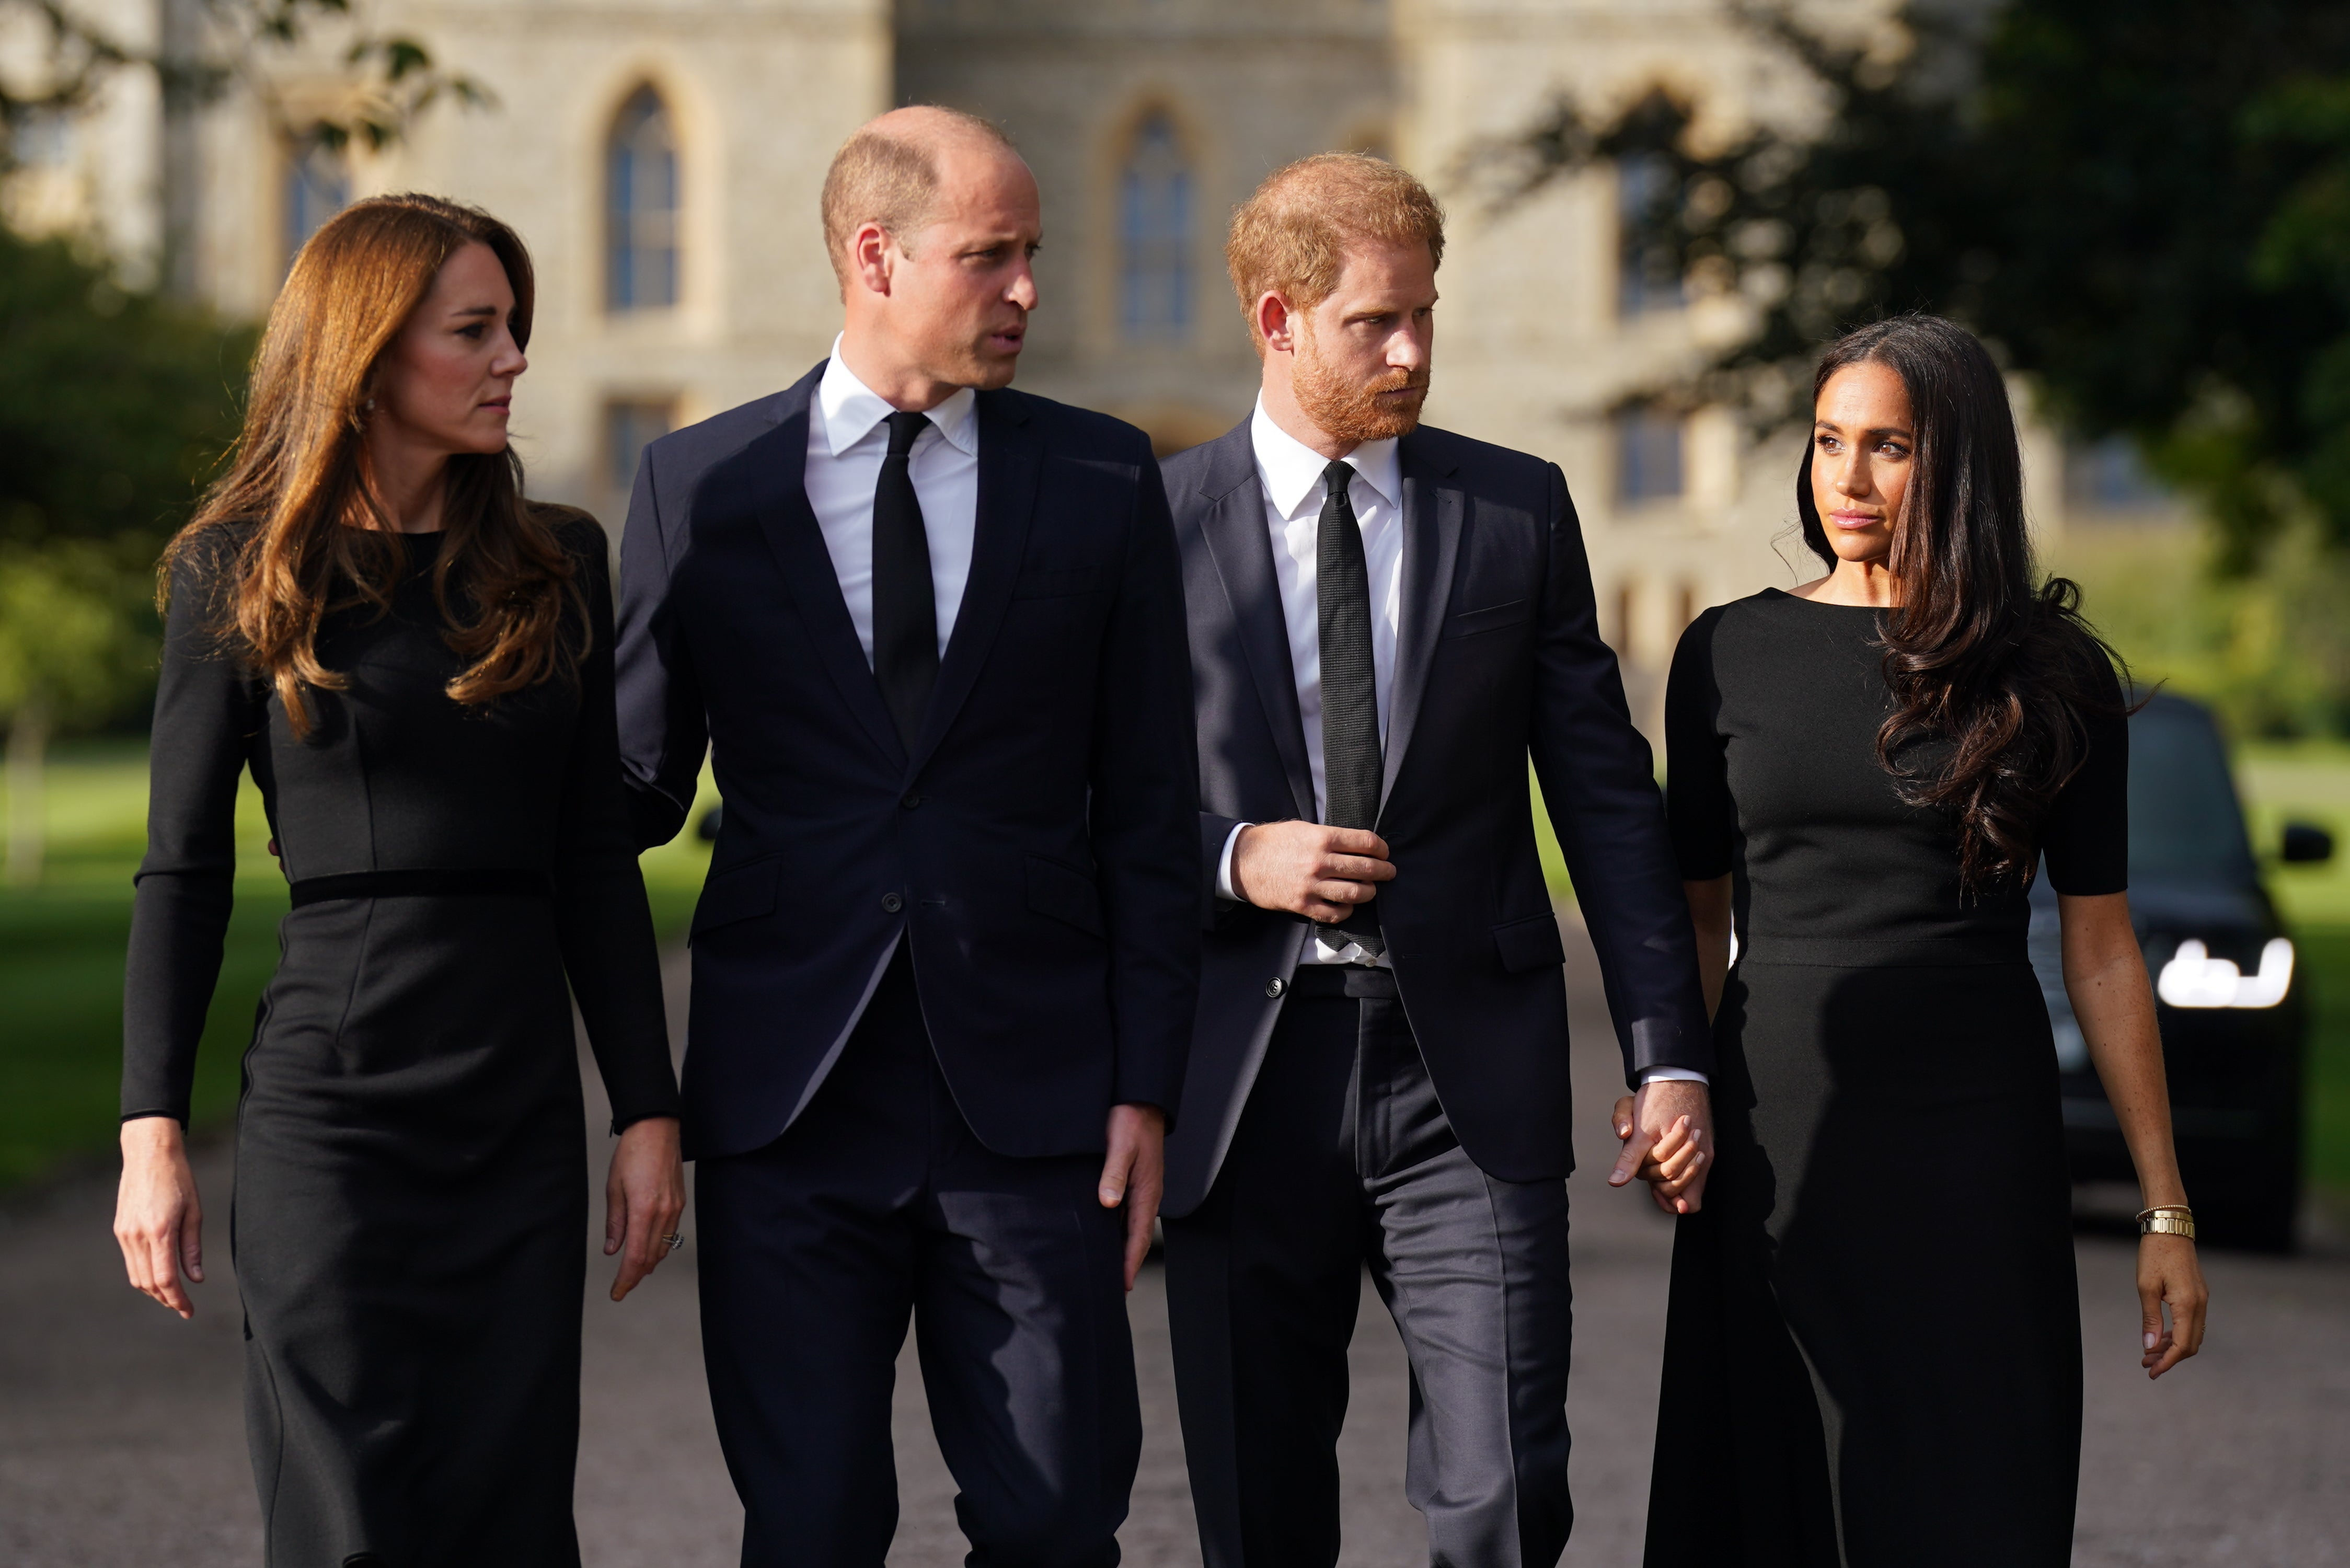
{"x":944,"y":966}
{"x":1385,"y":622}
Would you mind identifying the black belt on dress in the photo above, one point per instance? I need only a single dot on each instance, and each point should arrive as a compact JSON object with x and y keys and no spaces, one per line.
{"x":1343,"y":980}
{"x":488,"y":881}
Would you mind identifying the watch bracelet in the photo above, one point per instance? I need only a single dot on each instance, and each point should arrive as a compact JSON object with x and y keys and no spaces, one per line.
{"x":2168,"y":1225}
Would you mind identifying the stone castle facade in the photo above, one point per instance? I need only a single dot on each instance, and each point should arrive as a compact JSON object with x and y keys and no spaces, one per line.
{"x":662,"y":158}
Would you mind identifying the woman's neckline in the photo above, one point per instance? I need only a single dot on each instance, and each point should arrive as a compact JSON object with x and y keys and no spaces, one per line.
{"x":1828,"y":604}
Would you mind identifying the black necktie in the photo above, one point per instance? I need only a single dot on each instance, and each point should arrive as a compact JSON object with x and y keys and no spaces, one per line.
{"x":1350,"y":711}
{"x":905,"y":610}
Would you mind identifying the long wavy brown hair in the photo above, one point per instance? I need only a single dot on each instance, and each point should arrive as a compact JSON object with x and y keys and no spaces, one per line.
{"x":316,"y":536}
{"x":1984,"y":658}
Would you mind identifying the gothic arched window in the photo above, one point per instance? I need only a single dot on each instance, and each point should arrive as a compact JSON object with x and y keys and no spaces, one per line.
{"x":1154,"y":235}
{"x":640,"y":206}
{"x":317,"y":186}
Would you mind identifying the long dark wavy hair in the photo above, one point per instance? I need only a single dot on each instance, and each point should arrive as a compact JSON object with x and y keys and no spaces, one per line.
{"x":298,"y":493}
{"x":1996,"y":665}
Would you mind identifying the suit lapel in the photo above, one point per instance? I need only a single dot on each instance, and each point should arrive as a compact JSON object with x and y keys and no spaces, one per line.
{"x":1235,"y":527}
{"x":1010,"y":463}
{"x":778,"y":468}
{"x":1433,"y":509}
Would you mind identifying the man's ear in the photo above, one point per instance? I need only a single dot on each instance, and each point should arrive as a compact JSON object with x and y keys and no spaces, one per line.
{"x":870,"y":258}
{"x":1275,"y":324}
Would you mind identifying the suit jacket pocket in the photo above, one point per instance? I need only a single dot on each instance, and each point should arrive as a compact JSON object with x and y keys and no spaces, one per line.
{"x":1065,"y":894}
{"x":1060,"y":584}
{"x":742,"y":892}
{"x":1529,"y":944}
{"x":1469,"y":623}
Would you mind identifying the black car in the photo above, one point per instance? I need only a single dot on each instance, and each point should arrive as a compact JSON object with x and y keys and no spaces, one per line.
{"x":2228,"y":995}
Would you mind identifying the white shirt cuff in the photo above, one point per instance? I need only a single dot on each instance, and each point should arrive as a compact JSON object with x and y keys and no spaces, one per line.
{"x":1671,"y":1075}
{"x":1225,"y":865}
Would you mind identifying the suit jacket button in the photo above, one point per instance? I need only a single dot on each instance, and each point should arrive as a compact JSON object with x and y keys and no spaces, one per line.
{"x":910,"y":802}
{"x":892,"y":903}
{"x":1275,"y":986}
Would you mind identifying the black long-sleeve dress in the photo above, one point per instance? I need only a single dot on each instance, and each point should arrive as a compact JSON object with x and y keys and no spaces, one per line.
{"x":1873,"y":1351}
{"x":410,"y":1222}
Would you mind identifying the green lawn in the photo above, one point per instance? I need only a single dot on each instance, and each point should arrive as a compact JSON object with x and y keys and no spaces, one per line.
{"x":2309,"y":781}
{"x":61,"y":946}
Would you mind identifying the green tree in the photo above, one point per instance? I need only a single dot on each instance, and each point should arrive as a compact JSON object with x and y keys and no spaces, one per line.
{"x":2145,"y":204}
{"x":209,"y":46}
{"x":70,"y":647}
{"x":112,"y":406}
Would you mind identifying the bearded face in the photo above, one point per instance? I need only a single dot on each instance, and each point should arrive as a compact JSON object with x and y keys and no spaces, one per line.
{"x":1353,"y":401}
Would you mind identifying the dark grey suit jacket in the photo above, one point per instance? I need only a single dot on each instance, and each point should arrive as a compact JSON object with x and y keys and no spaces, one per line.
{"x":1498,"y":655}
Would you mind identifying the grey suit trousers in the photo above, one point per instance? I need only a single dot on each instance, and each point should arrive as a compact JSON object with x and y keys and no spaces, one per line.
{"x":1344,"y":1160}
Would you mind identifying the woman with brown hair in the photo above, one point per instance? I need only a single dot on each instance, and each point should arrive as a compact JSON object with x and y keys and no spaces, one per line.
{"x":1873,"y":1352}
{"x":416,"y":665}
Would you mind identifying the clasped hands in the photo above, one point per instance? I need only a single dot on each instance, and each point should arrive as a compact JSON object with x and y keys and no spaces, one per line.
{"x":1322,"y":873}
{"x":1668,"y":1135}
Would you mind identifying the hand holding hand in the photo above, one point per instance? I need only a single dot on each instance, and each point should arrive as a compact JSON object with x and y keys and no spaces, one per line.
{"x":1306,"y":868}
{"x":1134,"y":1176}
{"x":2168,"y":1271}
{"x":158,"y":1221}
{"x":1668,"y":1134}
{"x":643,"y":1197}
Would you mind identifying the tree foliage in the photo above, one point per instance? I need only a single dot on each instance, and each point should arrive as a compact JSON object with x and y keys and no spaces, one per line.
{"x":2143,"y":204}
{"x":113,"y":406}
{"x":390,"y":78}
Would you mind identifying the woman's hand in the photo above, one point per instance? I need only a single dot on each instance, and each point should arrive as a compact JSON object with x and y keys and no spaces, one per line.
{"x":643,"y":1197}
{"x":158,"y":1221}
{"x":2168,"y":1271}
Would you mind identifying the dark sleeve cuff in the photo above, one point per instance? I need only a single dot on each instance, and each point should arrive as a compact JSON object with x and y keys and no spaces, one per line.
{"x":621,"y":1123}
{"x":1665,"y":1042}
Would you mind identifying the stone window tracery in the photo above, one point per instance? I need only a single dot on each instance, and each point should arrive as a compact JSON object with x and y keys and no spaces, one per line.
{"x":1154,"y":239}
{"x":640,"y":206}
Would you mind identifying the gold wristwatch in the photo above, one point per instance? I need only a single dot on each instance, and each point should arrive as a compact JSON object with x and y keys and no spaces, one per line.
{"x":2167,"y":1220}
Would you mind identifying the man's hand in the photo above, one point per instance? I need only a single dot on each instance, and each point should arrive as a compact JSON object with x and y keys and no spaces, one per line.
{"x":1134,"y":1174}
{"x":1667,"y":1133}
{"x":1305,"y":869}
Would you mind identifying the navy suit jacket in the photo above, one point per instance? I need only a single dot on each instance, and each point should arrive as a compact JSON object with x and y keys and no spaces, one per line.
{"x":1038,"y":849}
{"x":1498,"y":655}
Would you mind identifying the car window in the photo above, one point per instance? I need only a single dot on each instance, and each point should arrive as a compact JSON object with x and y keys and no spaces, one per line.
{"x":2185,"y":823}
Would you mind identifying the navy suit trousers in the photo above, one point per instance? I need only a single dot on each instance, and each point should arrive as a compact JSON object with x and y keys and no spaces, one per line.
{"x":879,"y":1205}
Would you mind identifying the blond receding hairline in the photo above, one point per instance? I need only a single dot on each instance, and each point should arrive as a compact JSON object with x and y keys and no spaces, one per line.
{"x":1290,"y":236}
{"x":890,"y":177}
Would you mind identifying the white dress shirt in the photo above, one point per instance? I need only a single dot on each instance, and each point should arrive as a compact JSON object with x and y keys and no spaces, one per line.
{"x":1289,"y":474}
{"x":847,"y":441}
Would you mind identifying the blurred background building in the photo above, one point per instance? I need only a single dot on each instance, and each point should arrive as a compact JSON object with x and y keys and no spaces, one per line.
{"x":663,"y":160}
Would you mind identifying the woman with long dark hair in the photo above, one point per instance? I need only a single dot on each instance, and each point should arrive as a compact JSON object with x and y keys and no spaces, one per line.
{"x":1873,"y":1355}
{"x":415,"y":664}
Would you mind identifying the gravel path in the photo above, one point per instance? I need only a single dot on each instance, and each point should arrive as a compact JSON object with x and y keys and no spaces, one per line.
{"x":122,"y":1438}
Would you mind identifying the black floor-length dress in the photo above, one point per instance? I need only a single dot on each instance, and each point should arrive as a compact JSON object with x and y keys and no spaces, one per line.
{"x":410,"y":1220}
{"x":1873,"y":1351}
